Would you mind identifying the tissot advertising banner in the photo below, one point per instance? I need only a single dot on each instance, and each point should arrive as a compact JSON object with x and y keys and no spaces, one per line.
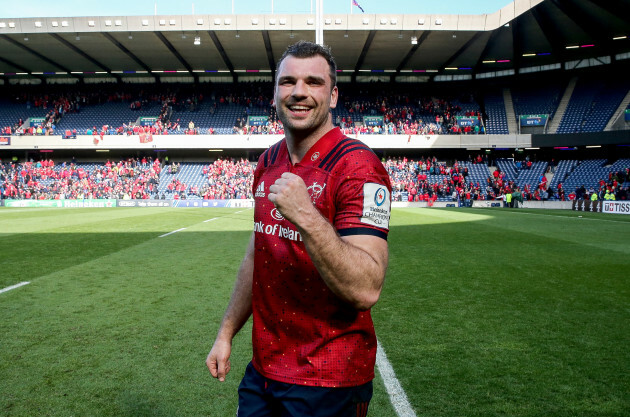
{"x":5,"y":140}
{"x":616,"y":207}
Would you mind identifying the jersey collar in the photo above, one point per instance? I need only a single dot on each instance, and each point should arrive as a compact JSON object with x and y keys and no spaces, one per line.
{"x":321,"y":148}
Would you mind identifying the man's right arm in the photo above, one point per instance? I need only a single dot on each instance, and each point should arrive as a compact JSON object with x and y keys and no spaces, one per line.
{"x":238,"y":311}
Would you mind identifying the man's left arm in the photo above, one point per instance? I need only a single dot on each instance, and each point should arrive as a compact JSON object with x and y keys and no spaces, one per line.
{"x":353,"y":267}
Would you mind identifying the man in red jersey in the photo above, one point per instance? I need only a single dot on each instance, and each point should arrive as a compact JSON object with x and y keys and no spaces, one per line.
{"x":316,"y":261}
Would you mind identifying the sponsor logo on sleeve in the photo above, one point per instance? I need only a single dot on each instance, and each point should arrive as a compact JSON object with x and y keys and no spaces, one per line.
{"x":376,"y":205}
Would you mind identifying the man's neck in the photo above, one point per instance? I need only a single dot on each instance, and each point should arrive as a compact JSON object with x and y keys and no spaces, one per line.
{"x":299,"y":143}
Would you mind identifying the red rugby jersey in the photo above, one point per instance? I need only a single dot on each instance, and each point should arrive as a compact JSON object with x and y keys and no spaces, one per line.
{"x":303,"y":333}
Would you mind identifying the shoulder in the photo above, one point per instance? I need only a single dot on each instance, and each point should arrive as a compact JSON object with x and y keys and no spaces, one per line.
{"x":350,"y":155}
{"x":270,"y":156}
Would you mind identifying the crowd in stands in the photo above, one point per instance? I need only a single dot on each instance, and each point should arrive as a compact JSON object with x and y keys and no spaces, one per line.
{"x":424,"y":179}
{"x":132,"y":178}
{"x":228,"y":178}
{"x":607,"y":189}
{"x":270,"y":126}
{"x":401,"y":112}
{"x":224,"y":179}
{"x":413,"y":180}
{"x":407,"y":114}
{"x":41,"y":180}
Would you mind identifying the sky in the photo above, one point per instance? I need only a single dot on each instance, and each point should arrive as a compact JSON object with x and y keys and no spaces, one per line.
{"x":73,"y":8}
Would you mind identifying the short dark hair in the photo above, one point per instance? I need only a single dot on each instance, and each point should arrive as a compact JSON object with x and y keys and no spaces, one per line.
{"x":305,"y":49}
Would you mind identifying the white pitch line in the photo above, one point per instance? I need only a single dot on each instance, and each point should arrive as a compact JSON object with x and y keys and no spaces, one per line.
{"x":562,"y":217}
{"x":174,"y":231}
{"x":205,"y":221}
{"x":12,"y":287}
{"x":397,"y":395}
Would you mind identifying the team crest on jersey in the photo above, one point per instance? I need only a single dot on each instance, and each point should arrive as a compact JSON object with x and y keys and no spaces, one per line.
{"x":315,"y":191}
{"x":275,"y":214}
{"x":314,"y":156}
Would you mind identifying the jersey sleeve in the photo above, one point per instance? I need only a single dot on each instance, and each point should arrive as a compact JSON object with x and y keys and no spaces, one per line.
{"x":362,"y":196}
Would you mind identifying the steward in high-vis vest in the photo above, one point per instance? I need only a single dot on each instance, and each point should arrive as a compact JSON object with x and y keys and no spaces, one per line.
{"x":609,"y":196}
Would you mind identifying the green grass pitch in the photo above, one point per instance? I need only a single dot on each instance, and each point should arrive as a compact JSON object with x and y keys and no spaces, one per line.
{"x":485,"y":312}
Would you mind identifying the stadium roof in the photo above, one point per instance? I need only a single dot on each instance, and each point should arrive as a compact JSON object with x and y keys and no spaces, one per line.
{"x":526,"y":33}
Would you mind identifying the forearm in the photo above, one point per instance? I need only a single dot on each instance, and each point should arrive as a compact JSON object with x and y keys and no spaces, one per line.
{"x":352,"y":272}
{"x":240,"y":306}
{"x":353,"y":267}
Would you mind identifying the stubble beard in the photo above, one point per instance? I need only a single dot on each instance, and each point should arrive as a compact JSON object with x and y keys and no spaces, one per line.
{"x":302,"y":127}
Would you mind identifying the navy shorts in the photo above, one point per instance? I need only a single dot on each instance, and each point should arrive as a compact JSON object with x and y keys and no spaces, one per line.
{"x":262,"y":397}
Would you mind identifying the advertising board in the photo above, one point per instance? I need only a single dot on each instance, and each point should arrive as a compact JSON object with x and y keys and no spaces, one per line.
{"x":143,"y":203}
{"x":257,"y":120}
{"x":616,"y":207}
{"x":373,"y":120}
{"x":148,"y":121}
{"x":533,"y":119}
{"x":464,"y":121}
{"x":62,"y":203}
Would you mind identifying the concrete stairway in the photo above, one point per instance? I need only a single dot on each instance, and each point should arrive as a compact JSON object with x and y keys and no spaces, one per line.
{"x":509,"y":111}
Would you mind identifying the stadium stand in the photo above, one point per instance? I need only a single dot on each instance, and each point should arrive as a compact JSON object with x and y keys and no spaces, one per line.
{"x":592,"y":104}
{"x":536,"y":99}
{"x":230,"y":178}
{"x":224,"y":109}
{"x":562,"y":171}
{"x":495,"y":108}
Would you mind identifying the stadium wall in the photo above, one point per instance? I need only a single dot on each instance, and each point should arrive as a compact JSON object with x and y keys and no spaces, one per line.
{"x":549,"y":205}
{"x":614,"y":207}
{"x":617,"y":137}
{"x":110,"y":203}
{"x":555,"y":205}
{"x":256,"y":142}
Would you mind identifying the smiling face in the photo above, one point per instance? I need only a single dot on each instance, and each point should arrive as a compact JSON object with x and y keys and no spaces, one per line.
{"x":304,"y":96}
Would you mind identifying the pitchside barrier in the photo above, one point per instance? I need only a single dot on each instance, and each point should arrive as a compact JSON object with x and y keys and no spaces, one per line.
{"x":549,"y":205}
{"x":602,"y":206}
{"x":587,"y":205}
{"x":615,"y":207}
{"x":101,"y":203}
